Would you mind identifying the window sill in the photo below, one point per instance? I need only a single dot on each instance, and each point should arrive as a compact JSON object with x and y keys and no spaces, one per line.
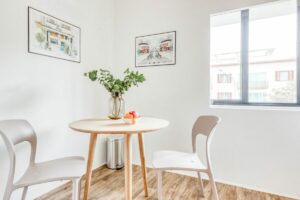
{"x":294,"y":108}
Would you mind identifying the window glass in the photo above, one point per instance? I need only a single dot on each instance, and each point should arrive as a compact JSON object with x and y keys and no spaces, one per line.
{"x":267,"y":36}
{"x":225,"y":95}
{"x":224,"y":78}
{"x":272,"y":50}
{"x":225,"y":56}
{"x":284,"y":76}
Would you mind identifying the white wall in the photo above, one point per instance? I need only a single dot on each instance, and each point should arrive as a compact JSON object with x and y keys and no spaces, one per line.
{"x":49,"y":92}
{"x":257,"y":149}
{"x":252,"y":148}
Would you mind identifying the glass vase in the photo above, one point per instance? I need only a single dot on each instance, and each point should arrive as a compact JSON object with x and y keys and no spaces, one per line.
{"x":116,"y":106}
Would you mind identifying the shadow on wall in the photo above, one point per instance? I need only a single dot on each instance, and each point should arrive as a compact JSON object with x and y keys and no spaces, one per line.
{"x":17,"y":98}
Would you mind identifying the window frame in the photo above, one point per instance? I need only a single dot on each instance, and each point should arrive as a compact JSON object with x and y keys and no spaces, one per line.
{"x":244,"y":66}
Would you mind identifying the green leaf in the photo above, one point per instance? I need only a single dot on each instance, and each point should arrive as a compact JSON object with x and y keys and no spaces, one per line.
{"x":111,"y":84}
{"x":93,"y":75}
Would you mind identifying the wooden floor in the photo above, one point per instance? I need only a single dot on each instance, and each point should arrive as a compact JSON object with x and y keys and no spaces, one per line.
{"x":109,"y":185}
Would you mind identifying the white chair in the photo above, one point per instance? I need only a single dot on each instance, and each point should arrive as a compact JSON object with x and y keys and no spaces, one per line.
{"x":174,"y":160}
{"x":14,"y":132}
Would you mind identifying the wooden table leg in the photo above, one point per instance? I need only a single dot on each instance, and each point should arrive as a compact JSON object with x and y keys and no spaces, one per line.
{"x":88,"y":175}
{"x":128,"y":167}
{"x":143,"y":166}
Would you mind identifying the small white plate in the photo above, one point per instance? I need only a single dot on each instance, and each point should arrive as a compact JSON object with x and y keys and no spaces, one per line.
{"x":129,"y":121}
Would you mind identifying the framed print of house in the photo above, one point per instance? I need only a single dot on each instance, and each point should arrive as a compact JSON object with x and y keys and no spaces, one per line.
{"x":50,"y":36}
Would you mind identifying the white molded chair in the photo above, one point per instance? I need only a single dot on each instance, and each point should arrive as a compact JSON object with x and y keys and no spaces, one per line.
{"x":174,"y":160}
{"x":14,"y":132}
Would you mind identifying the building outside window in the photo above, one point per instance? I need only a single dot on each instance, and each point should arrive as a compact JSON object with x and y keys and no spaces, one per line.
{"x":225,"y":95}
{"x":224,"y":78}
{"x":258,"y":80}
{"x":257,"y":96}
{"x":284,"y":75}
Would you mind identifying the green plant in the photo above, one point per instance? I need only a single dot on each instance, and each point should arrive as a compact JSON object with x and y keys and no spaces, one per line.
{"x":115,"y":85}
{"x":40,"y":37}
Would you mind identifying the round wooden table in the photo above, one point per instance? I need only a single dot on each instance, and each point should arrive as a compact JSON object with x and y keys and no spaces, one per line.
{"x":107,"y":126}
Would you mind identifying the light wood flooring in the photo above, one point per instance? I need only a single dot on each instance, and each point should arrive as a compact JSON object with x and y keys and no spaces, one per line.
{"x":109,"y":185}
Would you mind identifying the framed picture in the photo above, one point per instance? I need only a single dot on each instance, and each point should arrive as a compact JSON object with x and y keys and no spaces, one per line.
{"x":155,"y":49}
{"x":50,"y":36}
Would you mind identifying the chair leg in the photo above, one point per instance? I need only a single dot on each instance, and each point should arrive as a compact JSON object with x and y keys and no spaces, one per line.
{"x":76,"y":189}
{"x":213,"y":186}
{"x":201,"y":184}
{"x":7,"y":194}
{"x":159,"y":184}
{"x":25,"y":189}
{"x":79,"y":188}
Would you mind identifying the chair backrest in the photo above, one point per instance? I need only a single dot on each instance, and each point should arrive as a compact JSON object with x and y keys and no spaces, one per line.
{"x":204,"y":125}
{"x":14,"y":132}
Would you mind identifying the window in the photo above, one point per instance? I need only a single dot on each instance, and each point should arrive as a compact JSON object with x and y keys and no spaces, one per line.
{"x":225,"y":58}
{"x":258,"y":80}
{"x":284,"y":76}
{"x":224,"y":78}
{"x":251,"y":46}
{"x":257,"y":96}
{"x":224,"y":95}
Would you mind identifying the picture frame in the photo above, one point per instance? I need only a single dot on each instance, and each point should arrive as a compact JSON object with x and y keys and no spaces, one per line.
{"x":53,"y":37}
{"x":155,"y":49}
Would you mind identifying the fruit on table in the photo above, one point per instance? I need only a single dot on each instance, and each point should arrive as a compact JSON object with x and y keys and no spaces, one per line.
{"x":128,"y":116}
{"x":134,"y":113}
{"x":131,"y":115}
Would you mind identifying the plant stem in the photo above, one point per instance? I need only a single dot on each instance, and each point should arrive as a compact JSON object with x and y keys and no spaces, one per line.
{"x":119,"y":106}
{"x":114,"y":107}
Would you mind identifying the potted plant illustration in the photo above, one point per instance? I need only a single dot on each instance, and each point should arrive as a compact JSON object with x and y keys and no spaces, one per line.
{"x":116,"y":87}
{"x":40,"y":37}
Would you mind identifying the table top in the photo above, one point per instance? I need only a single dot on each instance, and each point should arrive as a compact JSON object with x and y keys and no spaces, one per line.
{"x":108,"y":126}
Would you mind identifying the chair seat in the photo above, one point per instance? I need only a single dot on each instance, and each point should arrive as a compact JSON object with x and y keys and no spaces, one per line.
{"x":60,"y":169}
{"x":175,"y":160}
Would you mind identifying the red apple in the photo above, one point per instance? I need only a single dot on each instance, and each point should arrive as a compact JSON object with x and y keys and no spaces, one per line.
{"x":134,"y":114}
